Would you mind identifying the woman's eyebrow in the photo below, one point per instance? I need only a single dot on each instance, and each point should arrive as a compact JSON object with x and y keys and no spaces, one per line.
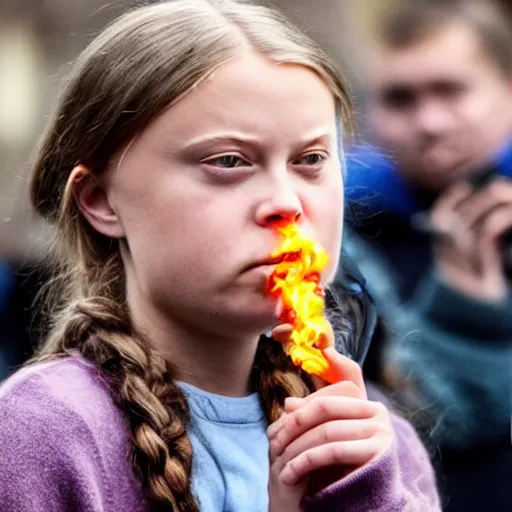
{"x":235,"y":139}
{"x":324,"y":138}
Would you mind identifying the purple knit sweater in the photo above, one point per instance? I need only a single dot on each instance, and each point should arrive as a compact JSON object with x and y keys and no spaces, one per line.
{"x":64,"y":445}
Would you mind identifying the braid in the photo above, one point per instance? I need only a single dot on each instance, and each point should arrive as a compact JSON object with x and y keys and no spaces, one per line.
{"x":142,"y":386}
{"x":276,"y":378}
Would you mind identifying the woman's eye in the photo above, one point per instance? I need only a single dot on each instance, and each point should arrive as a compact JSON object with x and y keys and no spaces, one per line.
{"x":312,"y":159}
{"x":226,"y":161}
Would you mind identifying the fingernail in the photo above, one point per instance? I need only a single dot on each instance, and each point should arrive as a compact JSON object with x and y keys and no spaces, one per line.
{"x":292,"y":402}
{"x":272,"y":430}
{"x":275,"y":427}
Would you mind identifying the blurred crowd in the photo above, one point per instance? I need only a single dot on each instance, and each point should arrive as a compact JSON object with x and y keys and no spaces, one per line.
{"x":428,"y":196}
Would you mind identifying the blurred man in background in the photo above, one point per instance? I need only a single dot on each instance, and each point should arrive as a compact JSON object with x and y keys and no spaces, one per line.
{"x":430,"y":223}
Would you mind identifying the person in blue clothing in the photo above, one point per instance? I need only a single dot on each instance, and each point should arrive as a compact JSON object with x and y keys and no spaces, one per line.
{"x":6,"y":285}
{"x":21,"y":324}
{"x":441,"y":110}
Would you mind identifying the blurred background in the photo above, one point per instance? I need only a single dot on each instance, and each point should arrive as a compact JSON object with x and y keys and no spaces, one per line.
{"x":432,"y":85}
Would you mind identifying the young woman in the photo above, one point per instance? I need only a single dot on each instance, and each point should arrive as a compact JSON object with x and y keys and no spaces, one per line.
{"x":188,"y":131}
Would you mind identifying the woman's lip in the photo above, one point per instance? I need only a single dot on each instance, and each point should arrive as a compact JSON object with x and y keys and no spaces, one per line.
{"x":267,"y":262}
{"x":264,"y":266}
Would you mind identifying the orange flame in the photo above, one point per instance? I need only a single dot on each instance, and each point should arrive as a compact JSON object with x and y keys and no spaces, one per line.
{"x":296,"y":281}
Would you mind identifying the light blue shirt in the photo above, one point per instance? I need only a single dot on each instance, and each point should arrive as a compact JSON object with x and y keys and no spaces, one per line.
{"x":230,"y":452}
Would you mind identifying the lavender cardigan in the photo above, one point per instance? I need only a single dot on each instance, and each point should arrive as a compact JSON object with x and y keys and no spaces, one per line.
{"x":63,"y":447}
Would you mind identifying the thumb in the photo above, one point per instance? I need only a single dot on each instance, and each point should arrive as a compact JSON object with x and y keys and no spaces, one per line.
{"x":282,"y":333}
{"x":341,"y":368}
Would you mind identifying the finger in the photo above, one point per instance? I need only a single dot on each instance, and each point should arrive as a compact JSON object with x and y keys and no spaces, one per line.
{"x":485,"y":252}
{"x":494,"y":228}
{"x":450,"y":200}
{"x":293,"y":403}
{"x":326,"y":337}
{"x":282,"y":333}
{"x":330,"y":432}
{"x":326,"y":340}
{"x":322,"y":410}
{"x":444,"y":219}
{"x":457,"y":242}
{"x":496,"y":225}
{"x":343,"y":453}
{"x":485,"y":201}
{"x":344,"y":388}
{"x":275,"y":427}
{"x":341,"y":368}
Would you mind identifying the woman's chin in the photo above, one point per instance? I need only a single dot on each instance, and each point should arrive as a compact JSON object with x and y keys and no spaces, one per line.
{"x":259,"y":316}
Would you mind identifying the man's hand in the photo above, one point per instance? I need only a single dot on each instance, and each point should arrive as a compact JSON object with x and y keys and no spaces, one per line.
{"x":471,"y":223}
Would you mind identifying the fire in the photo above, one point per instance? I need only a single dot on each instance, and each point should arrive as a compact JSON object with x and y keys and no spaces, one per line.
{"x":296,"y":281}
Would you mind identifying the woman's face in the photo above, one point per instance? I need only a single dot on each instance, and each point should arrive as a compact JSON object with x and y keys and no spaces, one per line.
{"x":199,"y":192}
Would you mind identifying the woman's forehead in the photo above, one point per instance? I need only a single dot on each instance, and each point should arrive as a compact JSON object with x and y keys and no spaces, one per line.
{"x":252,"y":94}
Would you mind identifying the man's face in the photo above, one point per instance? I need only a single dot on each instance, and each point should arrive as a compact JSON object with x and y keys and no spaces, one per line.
{"x":440,"y":105}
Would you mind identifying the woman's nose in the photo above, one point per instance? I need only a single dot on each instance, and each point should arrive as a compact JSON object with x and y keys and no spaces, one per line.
{"x":281,"y":206}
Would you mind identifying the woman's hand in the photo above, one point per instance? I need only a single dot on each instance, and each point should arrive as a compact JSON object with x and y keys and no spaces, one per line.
{"x":325,"y":436}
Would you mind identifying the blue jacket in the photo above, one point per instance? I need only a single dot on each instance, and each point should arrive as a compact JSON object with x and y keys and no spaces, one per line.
{"x":373,"y":181}
{"x":380,"y":205}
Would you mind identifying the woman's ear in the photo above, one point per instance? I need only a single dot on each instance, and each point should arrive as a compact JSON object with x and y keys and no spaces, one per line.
{"x":92,"y":200}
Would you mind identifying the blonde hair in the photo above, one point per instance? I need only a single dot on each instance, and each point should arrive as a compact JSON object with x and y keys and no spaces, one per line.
{"x":129,"y":74}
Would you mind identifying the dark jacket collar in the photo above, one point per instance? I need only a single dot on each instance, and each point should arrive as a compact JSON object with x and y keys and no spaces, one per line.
{"x":356,"y":327}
